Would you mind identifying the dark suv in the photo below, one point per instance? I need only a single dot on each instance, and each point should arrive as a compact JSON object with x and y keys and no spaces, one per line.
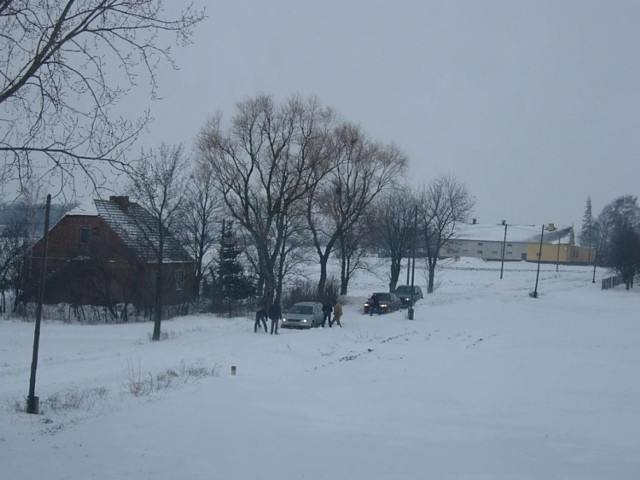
{"x":382,"y":302}
{"x":404,"y":293}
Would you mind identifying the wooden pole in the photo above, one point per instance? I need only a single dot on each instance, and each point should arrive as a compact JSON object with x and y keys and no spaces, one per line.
{"x":32,"y":400}
{"x":535,"y":290}
{"x":504,"y":245}
{"x":413,"y":267}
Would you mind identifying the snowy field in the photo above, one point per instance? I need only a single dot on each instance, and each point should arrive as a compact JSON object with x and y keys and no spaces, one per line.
{"x":484,"y":383}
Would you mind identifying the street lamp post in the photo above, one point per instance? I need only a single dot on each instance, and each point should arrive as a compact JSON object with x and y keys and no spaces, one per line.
{"x":558,"y":255}
{"x":535,"y":290}
{"x":551,"y":228}
{"x":32,"y":400}
{"x":504,"y":244}
{"x":413,"y":267}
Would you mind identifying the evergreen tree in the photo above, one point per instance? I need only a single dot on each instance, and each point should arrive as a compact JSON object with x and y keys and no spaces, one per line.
{"x":231,"y":284}
{"x":624,"y":255}
{"x":588,"y":234}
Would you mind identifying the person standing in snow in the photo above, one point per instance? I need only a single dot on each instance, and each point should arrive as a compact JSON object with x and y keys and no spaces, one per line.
{"x":261,"y":316}
{"x":275,"y":313}
{"x":326,"y":310}
{"x":337,"y":313}
{"x":375,"y":303}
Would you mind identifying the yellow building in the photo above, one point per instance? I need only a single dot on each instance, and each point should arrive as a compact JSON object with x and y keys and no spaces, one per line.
{"x":560,"y":253}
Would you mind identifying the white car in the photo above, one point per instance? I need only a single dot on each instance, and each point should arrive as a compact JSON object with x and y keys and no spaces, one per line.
{"x":303,"y":315}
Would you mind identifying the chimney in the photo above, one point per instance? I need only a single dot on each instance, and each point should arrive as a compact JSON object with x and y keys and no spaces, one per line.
{"x":122,"y":202}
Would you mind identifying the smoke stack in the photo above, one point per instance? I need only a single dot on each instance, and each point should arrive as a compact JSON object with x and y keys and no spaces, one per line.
{"x":122,"y":202}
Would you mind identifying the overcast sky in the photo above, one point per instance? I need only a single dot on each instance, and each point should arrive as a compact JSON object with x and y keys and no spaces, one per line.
{"x":533,"y":105}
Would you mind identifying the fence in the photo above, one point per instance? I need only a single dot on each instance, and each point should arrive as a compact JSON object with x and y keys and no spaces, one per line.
{"x":611,"y":282}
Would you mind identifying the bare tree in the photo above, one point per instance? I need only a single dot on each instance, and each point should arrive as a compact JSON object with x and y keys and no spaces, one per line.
{"x":392,"y":217}
{"x":14,"y":244}
{"x":198,"y":224}
{"x":353,"y":244}
{"x":265,"y":164}
{"x":158,"y":184}
{"x":64,"y":66}
{"x":360,"y":170}
{"x":294,"y":254}
{"x":442,"y":205}
{"x":623,"y":210}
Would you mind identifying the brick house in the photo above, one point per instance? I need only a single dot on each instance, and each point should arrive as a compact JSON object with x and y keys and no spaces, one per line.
{"x":107,"y":256}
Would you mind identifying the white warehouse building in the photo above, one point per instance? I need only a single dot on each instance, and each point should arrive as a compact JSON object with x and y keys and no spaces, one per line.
{"x":486,"y":241}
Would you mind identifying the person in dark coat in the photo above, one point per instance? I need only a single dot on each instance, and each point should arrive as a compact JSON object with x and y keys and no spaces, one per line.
{"x":275,"y":313}
{"x":375,"y":304}
{"x":326,"y":311}
{"x":261,"y":316}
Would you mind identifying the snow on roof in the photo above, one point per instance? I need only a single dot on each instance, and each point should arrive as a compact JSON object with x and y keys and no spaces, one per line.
{"x":87,"y":209}
{"x":515,"y":233}
{"x":138,"y":230}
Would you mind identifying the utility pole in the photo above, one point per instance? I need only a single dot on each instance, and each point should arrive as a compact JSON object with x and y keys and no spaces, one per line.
{"x":550,"y":228}
{"x":558,"y":256}
{"x":32,"y":400}
{"x":408,"y":269}
{"x":504,"y":245}
{"x":413,"y":267}
{"x":535,"y":290}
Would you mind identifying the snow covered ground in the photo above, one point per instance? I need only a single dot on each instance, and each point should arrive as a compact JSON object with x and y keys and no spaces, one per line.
{"x":484,"y":383}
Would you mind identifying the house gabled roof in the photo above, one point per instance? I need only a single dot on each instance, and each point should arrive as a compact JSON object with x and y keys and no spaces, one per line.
{"x":138,"y":230}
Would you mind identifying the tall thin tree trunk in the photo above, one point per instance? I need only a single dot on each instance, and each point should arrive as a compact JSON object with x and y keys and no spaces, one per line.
{"x":322,"y":283}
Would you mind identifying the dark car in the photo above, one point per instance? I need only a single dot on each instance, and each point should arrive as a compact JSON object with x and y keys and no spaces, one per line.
{"x":386,"y":302}
{"x":404,"y":293}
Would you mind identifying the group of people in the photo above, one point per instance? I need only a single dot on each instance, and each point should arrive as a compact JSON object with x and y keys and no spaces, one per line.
{"x":327,"y":310}
{"x":275,"y":315}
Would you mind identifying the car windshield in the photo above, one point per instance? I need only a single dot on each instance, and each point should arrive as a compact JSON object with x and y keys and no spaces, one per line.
{"x":303,"y":309}
{"x":403,"y":290}
{"x":382,"y":296}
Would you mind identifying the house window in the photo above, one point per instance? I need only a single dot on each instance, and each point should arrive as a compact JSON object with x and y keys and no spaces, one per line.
{"x":179,"y":280}
{"x":479,"y":252}
{"x":509,"y":245}
{"x":509,"y":253}
{"x":84,"y":234}
{"x":480,"y":244}
{"x":495,"y":252}
{"x":465,"y":252}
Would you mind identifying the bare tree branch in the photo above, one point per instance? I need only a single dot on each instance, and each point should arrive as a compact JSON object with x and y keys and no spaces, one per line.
{"x":360,"y":170}
{"x":64,"y":66}
{"x":266,"y":164}
{"x":442,"y":205}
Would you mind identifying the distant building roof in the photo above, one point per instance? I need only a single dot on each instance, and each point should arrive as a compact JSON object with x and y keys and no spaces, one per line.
{"x":515,"y":233}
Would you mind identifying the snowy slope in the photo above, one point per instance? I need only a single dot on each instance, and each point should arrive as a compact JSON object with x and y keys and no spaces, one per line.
{"x":485,"y":383}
